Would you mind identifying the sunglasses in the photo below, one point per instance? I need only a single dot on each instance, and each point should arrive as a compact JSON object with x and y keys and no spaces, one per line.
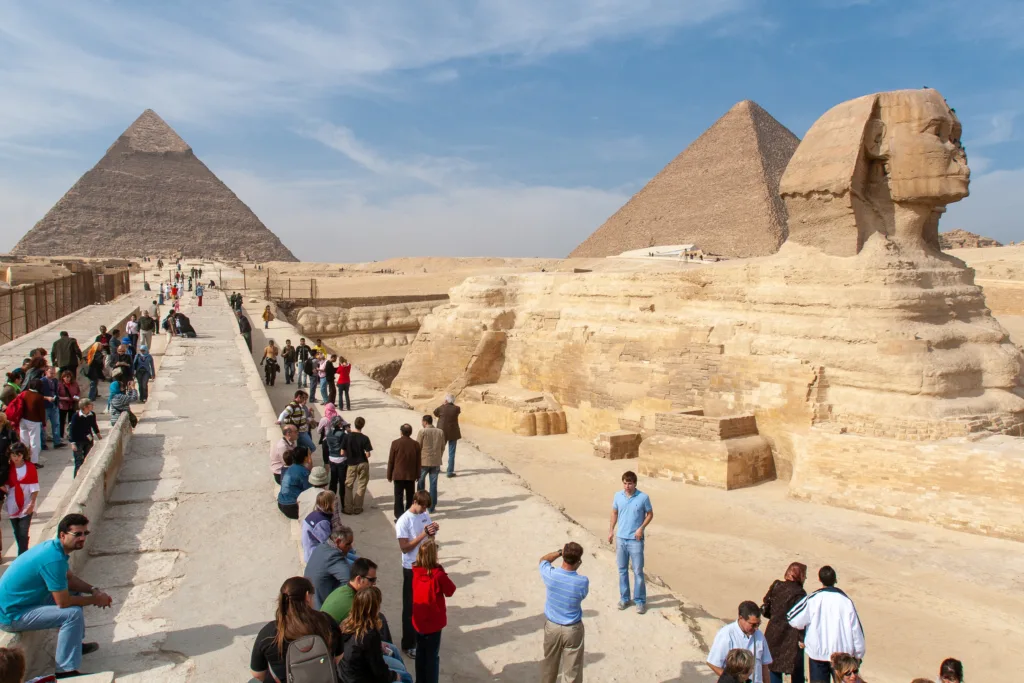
{"x":851,"y":673}
{"x":79,"y":534}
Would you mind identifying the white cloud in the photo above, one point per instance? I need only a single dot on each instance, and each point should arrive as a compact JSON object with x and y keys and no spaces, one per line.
{"x":995,"y":208}
{"x":998,"y":128}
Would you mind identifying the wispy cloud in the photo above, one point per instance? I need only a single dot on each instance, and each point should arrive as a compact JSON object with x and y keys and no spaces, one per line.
{"x":998,"y":129}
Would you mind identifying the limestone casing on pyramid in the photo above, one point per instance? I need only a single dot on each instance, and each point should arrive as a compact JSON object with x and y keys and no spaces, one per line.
{"x":721,"y":193}
{"x":150,"y":194}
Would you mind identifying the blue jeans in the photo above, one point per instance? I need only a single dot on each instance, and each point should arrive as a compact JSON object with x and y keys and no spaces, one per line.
{"x":312,"y":389}
{"x":432,"y":472}
{"x":428,"y":660}
{"x":94,"y":388}
{"x":70,"y":621}
{"x":798,"y":672}
{"x":289,"y":371}
{"x":303,"y":377}
{"x":323,"y":389}
{"x":451,"y":456}
{"x":631,"y":550}
{"x":819,"y":670}
{"x":307,"y":441}
{"x":397,"y":665}
{"x":53,"y":417}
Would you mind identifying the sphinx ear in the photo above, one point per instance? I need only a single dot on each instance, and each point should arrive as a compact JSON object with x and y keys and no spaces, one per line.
{"x":875,"y":143}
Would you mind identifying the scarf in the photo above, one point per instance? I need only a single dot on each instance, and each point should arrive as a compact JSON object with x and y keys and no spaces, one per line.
{"x":14,"y":484}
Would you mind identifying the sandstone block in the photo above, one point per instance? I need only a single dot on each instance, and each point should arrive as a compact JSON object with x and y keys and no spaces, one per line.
{"x":617,"y":445}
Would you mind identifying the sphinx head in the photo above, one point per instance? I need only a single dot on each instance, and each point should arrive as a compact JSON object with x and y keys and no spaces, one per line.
{"x":887,"y":163}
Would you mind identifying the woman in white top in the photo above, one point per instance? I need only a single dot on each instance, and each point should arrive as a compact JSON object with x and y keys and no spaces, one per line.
{"x":131,"y":328}
{"x":22,"y":491}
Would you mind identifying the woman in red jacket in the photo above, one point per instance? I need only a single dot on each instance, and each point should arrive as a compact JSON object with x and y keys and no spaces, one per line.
{"x":430,"y":586}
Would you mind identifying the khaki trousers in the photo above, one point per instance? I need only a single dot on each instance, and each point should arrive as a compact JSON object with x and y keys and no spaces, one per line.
{"x":563,"y":648}
{"x":355,"y":487}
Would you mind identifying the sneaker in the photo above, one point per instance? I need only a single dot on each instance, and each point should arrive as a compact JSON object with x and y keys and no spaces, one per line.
{"x":641,"y":608}
{"x":411,"y":652}
{"x":451,"y":474}
{"x":38,"y":465}
{"x":623,"y":604}
{"x":88,"y":648}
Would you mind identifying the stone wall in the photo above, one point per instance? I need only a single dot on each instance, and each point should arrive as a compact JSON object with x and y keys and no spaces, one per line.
{"x":365,"y":327}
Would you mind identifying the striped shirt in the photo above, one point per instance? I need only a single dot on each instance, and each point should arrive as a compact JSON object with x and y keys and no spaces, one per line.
{"x":565,"y":594}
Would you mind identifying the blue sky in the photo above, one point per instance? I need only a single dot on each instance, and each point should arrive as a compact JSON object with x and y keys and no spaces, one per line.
{"x":363,"y":130}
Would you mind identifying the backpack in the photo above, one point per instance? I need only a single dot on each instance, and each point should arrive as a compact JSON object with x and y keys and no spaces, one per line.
{"x":309,"y":661}
{"x":14,"y":411}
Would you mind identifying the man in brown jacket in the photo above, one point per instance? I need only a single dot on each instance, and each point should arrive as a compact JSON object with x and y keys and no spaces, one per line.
{"x":404,"y":469}
{"x":448,"y":422}
{"x":432,"y":440}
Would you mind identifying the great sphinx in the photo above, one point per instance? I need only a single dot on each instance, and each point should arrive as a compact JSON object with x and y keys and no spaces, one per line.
{"x":866,"y":356}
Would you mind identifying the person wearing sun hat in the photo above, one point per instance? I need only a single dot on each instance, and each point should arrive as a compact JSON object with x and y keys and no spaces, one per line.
{"x":318,"y":479}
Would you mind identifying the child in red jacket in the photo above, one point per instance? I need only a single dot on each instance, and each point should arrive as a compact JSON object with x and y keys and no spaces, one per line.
{"x":430,"y":586}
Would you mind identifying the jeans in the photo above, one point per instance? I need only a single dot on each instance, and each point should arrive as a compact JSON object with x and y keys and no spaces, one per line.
{"x":20,"y":525}
{"x":323,"y":390}
{"x":343,"y":396}
{"x":289,"y":510}
{"x":339,"y":471}
{"x":70,"y":621}
{"x":406,"y":487}
{"x":266,"y":324}
{"x":65,"y":418}
{"x":631,"y":550}
{"x":289,"y":371}
{"x":397,"y":665}
{"x":820,"y":672}
{"x":81,"y":450}
{"x":432,"y":472}
{"x":94,"y":389}
{"x":428,"y":657}
{"x":303,"y":377}
{"x":142,"y":379}
{"x":312,"y":389}
{"x":53,"y":417}
{"x":798,"y":672}
{"x":408,"y":633}
{"x":306,"y":441}
{"x":451,"y":456}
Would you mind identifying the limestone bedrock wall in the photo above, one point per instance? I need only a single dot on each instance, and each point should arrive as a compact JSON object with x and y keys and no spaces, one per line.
{"x":366,"y":327}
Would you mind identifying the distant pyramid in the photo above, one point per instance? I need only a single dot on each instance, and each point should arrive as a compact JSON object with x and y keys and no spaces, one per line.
{"x":721,"y":193}
{"x":150,"y":194}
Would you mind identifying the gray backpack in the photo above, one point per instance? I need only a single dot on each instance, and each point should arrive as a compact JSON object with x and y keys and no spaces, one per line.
{"x":309,"y":661}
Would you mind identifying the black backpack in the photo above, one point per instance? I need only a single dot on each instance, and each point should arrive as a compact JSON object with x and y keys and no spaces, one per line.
{"x":309,"y":661}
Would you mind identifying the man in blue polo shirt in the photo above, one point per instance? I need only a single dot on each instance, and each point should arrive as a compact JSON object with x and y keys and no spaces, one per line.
{"x":563,"y":630}
{"x":631,"y":513}
{"x":39,"y":592}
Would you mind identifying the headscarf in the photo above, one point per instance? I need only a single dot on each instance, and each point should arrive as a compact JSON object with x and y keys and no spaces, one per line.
{"x":14,"y":484}
{"x":797,"y":571}
{"x":115,"y":387}
{"x":93,"y":350}
{"x":330,"y":412}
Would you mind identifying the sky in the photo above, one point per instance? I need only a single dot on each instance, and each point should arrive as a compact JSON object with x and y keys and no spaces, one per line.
{"x":360,"y":130}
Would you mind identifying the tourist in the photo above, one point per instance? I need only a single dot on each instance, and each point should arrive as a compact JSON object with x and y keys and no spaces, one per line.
{"x":12,"y":665}
{"x":296,"y":617}
{"x":8,"y":437}
{"x":343,"y":377}
{"x":339,"y":603}
{"x":103,"y":337}
{"x":269,"y":362}
{"x":302,"y":354}
{"x":404,"y":469}
{"x":81,"y":431}
{"x":288,"y":356}
{"x":448,"y":422}
{"x":738,"y":667}
{"x":330,"y":563}
{"x":631,"y":513}
{"x":951,"y":671}
{"x":36,"y":368}
{"x":309,"y":370}
{"x":267,"y":316}
{"x":296,"y":413}
{"x":321,"y":369}
{"x":846,"y":669}
{"x":120,"y":401}
{"x":319,"y":348}
{"x":169,"y":326}
{"x":131,"y":328}
{"x":12,"y":387}
{"x":124,"y":360}
{"x":431,"y":440}
{"x":831,"y":625}
{"x":184,"y":325}
{"x":48,"y":390}
{"x":145,"y":370}
{"x":38,"y":592}
{"x":430,"y":587}
{"x":244,"y":328}
{"x":316,"y":526}
{"x":289,"y":440}
{"x":564,"y":634}
{"x":68,"y":395}
{"x":357,"y":449}
{"x":65,"y":353}
{"x":411,"y":530}
{"x":322,"y":427}
{"x":318,"y":479}
{"x":147,"y":326}
{"x":199,"y":294}
{"x":337,"y":461}
{"x":153,"y":310}
{"x":784,"y":641}
{"x":364,"y":660}
{"x":32,"y":417}
{"x":22,"y":492}
{"x":743,"y":633}
{"x":294,"y":481}
{"x":94,"y":371}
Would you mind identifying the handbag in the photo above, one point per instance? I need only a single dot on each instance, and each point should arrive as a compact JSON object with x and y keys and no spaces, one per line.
{"x":133,"y":419}
{"x":766,"y":606}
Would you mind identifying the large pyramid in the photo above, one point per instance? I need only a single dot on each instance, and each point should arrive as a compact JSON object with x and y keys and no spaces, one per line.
{"x":721,"y":193}
{"x":150,"y":194}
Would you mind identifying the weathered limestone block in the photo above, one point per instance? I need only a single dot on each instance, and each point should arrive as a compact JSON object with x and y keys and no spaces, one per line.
{"x":725,"y":464}
{"x":366,"y":327}
{"x":617,"y":445}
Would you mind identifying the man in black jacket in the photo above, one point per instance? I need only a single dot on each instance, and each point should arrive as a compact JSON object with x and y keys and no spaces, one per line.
{"x":245,"y":328}
{"x":302,"y":354}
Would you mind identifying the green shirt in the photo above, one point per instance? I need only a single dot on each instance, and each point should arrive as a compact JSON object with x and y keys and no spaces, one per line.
{"x":339,"y":603}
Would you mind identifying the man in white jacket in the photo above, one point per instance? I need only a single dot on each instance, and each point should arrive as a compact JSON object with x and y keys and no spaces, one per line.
{"x":831,"y":624}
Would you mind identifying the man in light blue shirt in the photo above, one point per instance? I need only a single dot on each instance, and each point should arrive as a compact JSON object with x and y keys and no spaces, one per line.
{"x":743,"y":634}
{"x":563,"y":630}
{"x":631,"y":513}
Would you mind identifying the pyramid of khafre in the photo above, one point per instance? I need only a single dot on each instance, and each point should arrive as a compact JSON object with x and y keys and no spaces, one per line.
{"x":721,"y":193}
{"x":150,"y":194}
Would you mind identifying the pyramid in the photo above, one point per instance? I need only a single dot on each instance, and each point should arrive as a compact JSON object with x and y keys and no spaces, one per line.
{"x":721,"y":193}
{"x":150,"y":194}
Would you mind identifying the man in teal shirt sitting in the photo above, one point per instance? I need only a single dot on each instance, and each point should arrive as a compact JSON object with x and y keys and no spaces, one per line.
{"x":39,"y":592}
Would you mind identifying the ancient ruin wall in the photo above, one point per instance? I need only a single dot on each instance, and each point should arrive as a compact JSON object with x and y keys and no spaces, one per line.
{"x":365,"y":327}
